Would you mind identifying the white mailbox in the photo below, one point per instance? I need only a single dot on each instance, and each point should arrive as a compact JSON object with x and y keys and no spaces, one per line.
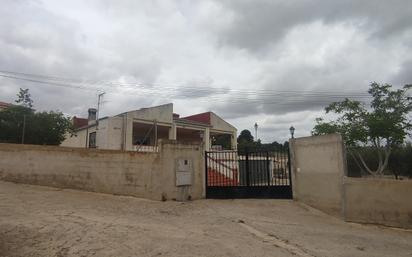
{"x":184,"y":170}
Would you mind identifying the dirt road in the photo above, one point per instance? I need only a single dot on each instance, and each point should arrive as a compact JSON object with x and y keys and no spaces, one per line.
{"x":42,"y":221}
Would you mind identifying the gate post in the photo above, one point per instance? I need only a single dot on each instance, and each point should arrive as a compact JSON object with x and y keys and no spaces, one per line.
{"x":206,"y":173}
{"x":268,"y":168}
{"x":289,"y":168}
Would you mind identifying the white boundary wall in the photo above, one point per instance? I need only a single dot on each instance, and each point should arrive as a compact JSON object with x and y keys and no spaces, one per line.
{"x":146,"y":175}
{"x":318,"y":166}
{"x":318,"y":175}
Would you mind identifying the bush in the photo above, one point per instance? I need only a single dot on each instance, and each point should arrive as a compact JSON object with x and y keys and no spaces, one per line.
{"x":399,"y":165}
{"x":400,"y":161}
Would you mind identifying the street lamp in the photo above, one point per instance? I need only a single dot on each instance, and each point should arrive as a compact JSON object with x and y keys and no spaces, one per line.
{"x":292,"y":131}
{"x":256,"y":127}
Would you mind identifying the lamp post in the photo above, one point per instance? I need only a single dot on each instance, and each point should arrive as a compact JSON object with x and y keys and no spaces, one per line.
{"x":256,"y":127}
{"x":292,"y":131}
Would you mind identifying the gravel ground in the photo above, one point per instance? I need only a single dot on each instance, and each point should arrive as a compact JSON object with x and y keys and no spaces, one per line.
{"x":43,"y":221}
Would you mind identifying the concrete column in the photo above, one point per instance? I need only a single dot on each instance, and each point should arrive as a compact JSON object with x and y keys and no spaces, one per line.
{"x":129,"y":134}
{"x":172,"y":132}
{"x":233,"y":141}
{"x":206,"y":139}
{"x":123,"y":143}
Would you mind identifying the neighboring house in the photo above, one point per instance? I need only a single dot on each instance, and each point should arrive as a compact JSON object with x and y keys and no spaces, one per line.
{"x":4,"y":105}
{"x":140,"y":130}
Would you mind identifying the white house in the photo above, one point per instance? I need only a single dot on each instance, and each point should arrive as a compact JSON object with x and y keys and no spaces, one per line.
{"x":140,"y":130}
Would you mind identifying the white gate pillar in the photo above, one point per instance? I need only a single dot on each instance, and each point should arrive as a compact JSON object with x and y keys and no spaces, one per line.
{"x":206,"y":139}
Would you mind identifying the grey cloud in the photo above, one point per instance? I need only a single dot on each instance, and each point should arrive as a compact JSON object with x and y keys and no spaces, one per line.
{"x":258,"y":24}
{"x":214,"y":48}
{"x":299,"y":88}
{"x":29,"y":32}
{"x":234,"y":109}
{"x":37,"y":41}
{"x":205,"y":93}
{"x":404,"y":76}
{"x":34,"y":40}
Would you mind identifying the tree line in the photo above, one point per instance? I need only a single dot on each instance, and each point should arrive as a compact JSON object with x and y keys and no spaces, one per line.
{"x":246,"y":141}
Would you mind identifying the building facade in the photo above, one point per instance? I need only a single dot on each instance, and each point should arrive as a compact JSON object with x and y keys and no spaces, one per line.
{"x":141,"y":129}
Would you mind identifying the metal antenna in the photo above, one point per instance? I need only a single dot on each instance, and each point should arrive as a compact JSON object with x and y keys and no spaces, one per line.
{"x":99,"y":97}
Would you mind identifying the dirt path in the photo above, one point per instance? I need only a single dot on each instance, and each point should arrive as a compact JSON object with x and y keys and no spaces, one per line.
{"x":42,"y":221}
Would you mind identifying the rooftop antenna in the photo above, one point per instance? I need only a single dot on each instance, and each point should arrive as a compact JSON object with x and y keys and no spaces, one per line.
{"x":99,"y":102}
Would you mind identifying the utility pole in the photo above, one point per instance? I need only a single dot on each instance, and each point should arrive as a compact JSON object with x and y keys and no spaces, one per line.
{"x":99,"y":97}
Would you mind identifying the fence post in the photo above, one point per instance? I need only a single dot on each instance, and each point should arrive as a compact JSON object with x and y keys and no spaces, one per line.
{"x":206,"y":174}
{"x":268,"y":168}
{"x":247,"y":166}
{"x":289,"y":168}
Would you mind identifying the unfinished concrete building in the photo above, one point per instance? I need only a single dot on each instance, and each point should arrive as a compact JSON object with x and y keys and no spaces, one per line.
{"x":141,"y":129}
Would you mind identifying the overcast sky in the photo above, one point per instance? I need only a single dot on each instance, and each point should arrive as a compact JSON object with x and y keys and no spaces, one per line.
{"x":277,"y":63}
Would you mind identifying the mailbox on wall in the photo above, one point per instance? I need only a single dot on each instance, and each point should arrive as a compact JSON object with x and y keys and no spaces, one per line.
{"x":184,"y":170}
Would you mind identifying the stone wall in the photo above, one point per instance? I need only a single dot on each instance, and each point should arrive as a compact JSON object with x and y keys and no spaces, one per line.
{"x":146,"y":175}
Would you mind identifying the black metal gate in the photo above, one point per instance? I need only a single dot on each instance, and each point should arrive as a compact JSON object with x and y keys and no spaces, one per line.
{"x":248,"y":174}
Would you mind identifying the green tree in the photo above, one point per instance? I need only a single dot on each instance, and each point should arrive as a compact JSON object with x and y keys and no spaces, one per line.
{"x":245,"y":140}
{"x":11,"y":123}
{"x":42,"y":128}
{"x":382,"y":126}
{"x":245,"y":137}
{"x":24,"y":98}
{"x":222,"y":140}
{"x":48,"y":128}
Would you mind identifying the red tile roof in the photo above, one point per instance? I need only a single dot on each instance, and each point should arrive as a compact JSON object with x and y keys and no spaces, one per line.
{"x":201,"y":117}
{"x":79,"y":122}
{"x":4,"y":105}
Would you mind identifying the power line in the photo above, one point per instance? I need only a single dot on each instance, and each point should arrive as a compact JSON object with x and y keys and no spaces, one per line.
{"x":177,"y":86}
{"x":233,"y":100}
{"x":258,"y":96}
{"x":45,"y":82}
